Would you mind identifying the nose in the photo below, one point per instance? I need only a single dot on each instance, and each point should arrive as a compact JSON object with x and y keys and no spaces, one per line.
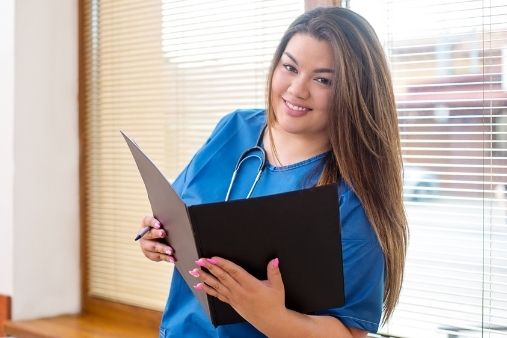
{"x":298,"y":88}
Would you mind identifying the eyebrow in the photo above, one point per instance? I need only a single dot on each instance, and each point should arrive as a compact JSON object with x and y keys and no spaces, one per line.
{"x":318,"y":70}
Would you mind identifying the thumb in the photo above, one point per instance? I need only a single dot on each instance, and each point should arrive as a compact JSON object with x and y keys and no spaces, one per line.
{"x":274,"y":275}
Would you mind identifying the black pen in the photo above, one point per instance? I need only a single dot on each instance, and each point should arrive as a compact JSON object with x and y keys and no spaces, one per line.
{"x":142,"y":232}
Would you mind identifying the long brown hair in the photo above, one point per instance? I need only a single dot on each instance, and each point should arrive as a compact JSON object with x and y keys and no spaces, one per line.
{"x":363,"y":130}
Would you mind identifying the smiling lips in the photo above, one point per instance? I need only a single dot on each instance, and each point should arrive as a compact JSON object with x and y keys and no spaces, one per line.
{"x":295,"y":110}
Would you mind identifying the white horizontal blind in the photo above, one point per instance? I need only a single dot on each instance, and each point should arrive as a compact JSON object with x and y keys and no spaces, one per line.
{"x":127,"y":89}
{"x":449,"y":64}
{"x":164,"y":72}
{"x":219,"y":53}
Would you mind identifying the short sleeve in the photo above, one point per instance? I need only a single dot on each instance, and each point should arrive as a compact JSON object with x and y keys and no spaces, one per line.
{"x":180,"y":181}
{"x":363,"y":267}
{"x":234,"y":133}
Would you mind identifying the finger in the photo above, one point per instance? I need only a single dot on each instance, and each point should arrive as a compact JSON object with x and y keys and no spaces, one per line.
{"x":157,"y":257}
{"x":211,"y":281}
{"x":150,"y":221}
{"x":156,"y":247}
{"x":274,"y":275}
{"x":210,"y":291}
{"x":240,"y":275}
{"x":155,"y":234}
{"x":219,"y":273}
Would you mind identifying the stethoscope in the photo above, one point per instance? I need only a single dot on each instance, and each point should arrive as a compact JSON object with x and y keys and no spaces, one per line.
{"x":255,"y":152}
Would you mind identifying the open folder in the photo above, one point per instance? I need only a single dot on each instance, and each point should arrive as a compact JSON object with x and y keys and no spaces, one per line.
{"x":301,"y":228}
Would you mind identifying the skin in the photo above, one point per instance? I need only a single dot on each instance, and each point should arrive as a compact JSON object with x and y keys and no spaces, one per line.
{"x":302,"y":79}
{"x":301,"y":95}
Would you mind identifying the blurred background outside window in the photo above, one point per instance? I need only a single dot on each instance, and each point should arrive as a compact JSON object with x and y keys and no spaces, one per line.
{"x":448,"y":61}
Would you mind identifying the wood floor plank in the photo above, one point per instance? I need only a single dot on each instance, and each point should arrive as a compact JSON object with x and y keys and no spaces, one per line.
{"x":80,"y":326}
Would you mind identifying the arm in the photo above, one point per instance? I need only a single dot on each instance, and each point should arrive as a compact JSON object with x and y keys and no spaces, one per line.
{"x":311,"y":326}
{"x":262,"y":303}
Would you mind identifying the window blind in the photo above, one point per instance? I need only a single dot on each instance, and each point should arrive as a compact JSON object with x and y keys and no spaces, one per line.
{"x":448,"y":61}
{"x":164,"y":72}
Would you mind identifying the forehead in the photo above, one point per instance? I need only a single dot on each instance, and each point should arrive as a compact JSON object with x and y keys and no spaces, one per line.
{"x":307,"y":50}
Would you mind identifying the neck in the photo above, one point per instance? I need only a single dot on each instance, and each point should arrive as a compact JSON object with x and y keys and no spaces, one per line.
{"x":292,"y":148}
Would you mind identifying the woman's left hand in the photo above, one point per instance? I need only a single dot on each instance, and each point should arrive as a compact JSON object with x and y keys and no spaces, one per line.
{"x":255,"y":300}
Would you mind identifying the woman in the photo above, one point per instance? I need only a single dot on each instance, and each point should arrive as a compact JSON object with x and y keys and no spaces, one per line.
{"x":330,"y":118}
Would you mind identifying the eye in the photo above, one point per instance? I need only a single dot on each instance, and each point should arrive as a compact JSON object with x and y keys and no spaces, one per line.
{"x":324,"y":81}
{"x":290,"y":68}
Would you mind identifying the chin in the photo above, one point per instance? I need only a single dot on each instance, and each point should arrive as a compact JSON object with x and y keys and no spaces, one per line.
{"x":290,"y":124}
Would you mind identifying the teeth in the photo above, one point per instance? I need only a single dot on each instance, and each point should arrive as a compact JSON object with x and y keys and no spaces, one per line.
{"x":293,"y":107}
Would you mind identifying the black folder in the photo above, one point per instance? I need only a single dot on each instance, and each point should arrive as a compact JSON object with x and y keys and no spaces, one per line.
{"x":301,"y":228}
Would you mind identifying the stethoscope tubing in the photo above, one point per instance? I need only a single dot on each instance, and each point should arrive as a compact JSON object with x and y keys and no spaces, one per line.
{"x":247,"y":154}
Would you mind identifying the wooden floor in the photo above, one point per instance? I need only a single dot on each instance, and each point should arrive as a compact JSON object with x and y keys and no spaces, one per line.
{"x":80,"y":326}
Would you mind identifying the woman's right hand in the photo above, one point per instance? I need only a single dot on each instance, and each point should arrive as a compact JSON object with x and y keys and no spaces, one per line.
{"x":150,"y":243}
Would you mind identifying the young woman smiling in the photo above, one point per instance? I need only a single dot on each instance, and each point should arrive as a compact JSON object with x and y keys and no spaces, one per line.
{"x":330,"y":118}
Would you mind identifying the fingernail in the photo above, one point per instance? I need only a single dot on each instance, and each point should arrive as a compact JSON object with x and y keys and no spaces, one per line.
{"x":194,"y":272}
{"x":276,"y":262}
{"x":199,"y":286}
{"x":169,"y":251}
{"x":170,"y":259}
{"x":201,"y":262}
{"x":212,"y":260}
{"x":162,"y":233}
{"x":156,"y":225}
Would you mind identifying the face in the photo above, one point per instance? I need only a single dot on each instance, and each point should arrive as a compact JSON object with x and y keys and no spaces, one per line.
{"x":301,"y":87}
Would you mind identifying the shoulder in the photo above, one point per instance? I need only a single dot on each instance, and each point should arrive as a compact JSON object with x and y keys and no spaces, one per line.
{"x":234,"y":133}
{"x":354,"y":222}
{"x":238,"y":127}
{"x":241,"y":118}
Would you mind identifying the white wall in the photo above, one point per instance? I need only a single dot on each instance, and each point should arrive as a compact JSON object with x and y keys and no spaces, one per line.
{"x":6,"y":142}
{"x":46,"y":271}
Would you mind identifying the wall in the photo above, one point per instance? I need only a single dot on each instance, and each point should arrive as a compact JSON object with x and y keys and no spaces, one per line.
{"x":6,"y":142}
{"x":39,"y":130}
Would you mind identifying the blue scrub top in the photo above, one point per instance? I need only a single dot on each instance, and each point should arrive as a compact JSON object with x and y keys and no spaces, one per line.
{"x":206,"y":179}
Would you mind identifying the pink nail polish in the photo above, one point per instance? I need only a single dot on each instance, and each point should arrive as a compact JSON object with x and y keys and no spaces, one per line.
{"x":171,"y":260}
{"x":194,"y":272}
{"x":276,"y":262}
{"x":212,"y":260}
{"x":201,"y":262}
{"x":199,"y":286}
{"x":156,"y":225}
